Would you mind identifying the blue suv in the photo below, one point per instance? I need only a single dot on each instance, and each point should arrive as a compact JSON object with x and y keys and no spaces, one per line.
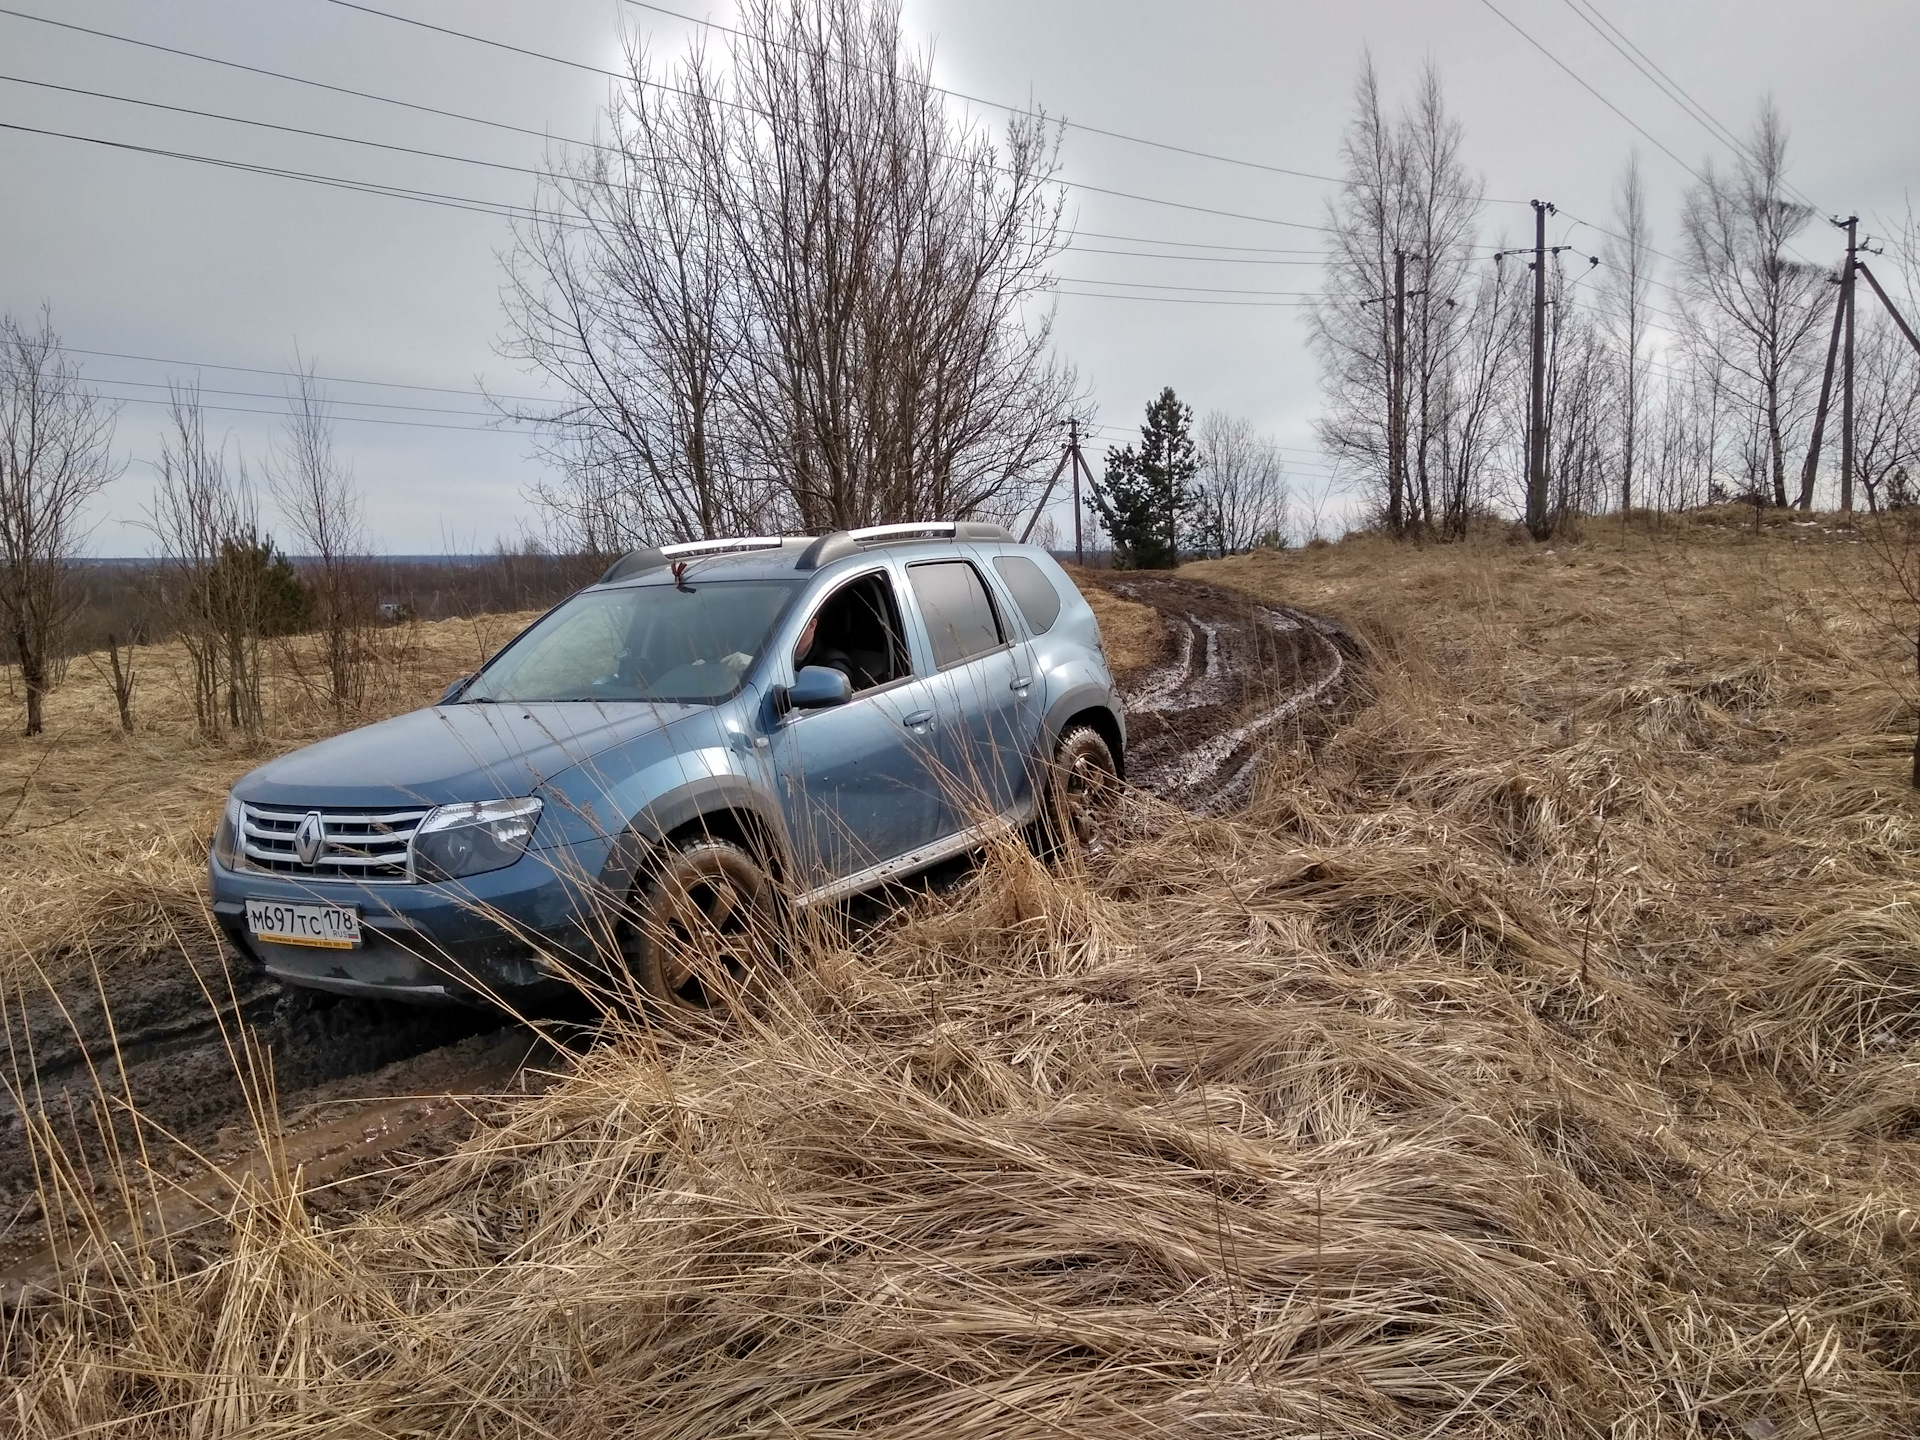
{"x":712,"y":737}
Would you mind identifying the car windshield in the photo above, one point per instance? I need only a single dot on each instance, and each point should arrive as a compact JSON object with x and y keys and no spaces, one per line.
{"x":691,"y":643}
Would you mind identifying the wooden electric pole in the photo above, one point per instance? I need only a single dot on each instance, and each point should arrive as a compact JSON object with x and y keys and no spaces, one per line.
{"x":1073,"y":449}
{"x":1846,"y":371}
{"x":1066,"y":456}
{"x":1396,"y":431}
{"x":1809,"y":470}
{"x":1539,"y":523}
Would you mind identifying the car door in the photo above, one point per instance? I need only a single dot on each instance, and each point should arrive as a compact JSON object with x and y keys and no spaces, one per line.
{"x":858,"y":782}
{"x":986,"y":666}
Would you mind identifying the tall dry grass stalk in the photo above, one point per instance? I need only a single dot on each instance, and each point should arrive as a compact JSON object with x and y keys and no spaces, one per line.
{"x":1419,"y":1099}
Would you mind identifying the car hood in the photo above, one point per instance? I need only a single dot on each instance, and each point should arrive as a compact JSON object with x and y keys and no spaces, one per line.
{"x":450,"y":753}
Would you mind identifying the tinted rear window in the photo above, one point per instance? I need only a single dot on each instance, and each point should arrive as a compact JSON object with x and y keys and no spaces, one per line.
{"x":1032,"y":591}
{"x":959,"y":614}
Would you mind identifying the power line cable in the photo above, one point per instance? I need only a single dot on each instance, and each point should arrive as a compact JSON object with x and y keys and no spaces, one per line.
{"x":1661,"y":81}
{"x":496,"y":429}
{"x":295,"y":375}
{"x":500,"y":210}
{"x":300,"y":80}
{"x":1068,"y":124}
{"x":271,"y":125}
{"x":330,"y":400}
{"x":1666,"y":84}
{"x":670,"y":89}
{"x":1575,"y":77}
{"x":1181,"y":300}
{"x":481,"y":120}
{"x":1200,"y":289}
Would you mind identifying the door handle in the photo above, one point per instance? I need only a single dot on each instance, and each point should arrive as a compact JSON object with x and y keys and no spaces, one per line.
{"x":919,"y":720}
{"x":1021,"y":683}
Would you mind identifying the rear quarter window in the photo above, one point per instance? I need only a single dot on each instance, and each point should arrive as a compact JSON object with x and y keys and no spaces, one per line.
{"x":1032,"y":591}
{"x":959,"y":613}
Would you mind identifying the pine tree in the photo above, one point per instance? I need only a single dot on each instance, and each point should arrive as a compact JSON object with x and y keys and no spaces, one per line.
{"x":1148,"y":495}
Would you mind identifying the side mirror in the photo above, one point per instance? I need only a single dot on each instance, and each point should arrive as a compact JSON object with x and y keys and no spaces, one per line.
{"x":818,"y":687}
{"x":454,"y":691}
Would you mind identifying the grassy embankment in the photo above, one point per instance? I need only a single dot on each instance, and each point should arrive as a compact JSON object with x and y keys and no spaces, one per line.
{"x":1538,"y":1055}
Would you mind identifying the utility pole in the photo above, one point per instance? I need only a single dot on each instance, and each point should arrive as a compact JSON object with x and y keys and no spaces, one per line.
{"x":1538,"y":522}
{"x":1073,"y":449}
{"x":1846,"y":372}
{"x":1396,"y":400}
{"x":1811,"y":468}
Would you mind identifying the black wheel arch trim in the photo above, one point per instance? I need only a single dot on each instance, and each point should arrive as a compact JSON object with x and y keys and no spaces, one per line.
{"x":711,"y":796}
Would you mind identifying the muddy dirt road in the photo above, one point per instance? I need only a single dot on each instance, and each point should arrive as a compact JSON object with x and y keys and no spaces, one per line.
{"x":1231,"y":672}
{"x":1228,"y":674}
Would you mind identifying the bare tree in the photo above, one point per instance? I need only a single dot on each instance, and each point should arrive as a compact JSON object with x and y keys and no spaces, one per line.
{"x":1242,"y":487}
{"x":1582,"y":406}
{"x":1626,"y":281}
{"x":214,"y":564}
{"x":791,"y":290}
{"x":1408,"y":196}
{"x":324,"y":512}
{"x":55,"y":439}
{"x":1886,"y":444}
{"x":1748,"y":306}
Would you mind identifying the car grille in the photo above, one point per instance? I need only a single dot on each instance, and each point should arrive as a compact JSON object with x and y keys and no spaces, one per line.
{"x":368,"y":846}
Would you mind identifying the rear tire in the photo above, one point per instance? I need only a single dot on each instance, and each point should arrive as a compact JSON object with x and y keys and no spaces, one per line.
{"x":1081,"y":790}
{"x":703,"y":929}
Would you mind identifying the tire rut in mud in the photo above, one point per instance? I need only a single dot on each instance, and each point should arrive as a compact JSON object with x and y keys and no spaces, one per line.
{"x":169,"y":1051}
{"x":1232,"y":670}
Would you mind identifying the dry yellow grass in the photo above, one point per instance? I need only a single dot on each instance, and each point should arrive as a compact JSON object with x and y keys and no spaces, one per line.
{"x":1536,"y":1057}
{"x":1133,"y":633}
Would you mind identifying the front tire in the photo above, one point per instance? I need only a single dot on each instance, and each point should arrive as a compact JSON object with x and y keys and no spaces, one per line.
{"x":1081,"y":790}
{"x":702,"y":934}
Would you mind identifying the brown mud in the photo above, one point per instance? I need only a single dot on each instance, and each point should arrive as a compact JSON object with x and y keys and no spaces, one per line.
{"x":367,"y":1087}
{"x":1230,"y":672}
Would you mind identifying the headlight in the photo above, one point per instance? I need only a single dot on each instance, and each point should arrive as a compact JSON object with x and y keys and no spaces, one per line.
{"x":226,"y":835}
{"x":471,"y":839}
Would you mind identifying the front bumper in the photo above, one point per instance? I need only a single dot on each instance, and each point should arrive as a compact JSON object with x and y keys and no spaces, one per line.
{"x":515,"y":936}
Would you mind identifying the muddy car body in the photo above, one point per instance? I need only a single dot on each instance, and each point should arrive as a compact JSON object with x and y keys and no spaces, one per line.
{"x":801,"y":719}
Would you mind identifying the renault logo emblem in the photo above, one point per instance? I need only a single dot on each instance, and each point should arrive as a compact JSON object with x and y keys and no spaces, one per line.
{"x":310,"y":839}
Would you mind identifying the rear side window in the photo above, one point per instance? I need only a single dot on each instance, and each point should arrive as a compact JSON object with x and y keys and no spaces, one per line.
{"x":959,"y":614}
{"x":1032,"y":591}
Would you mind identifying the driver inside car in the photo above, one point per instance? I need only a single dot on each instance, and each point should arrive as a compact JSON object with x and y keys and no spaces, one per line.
{"x":812,"y":650}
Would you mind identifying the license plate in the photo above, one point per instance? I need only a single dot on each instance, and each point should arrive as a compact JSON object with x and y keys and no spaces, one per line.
{"x":330,"y":927}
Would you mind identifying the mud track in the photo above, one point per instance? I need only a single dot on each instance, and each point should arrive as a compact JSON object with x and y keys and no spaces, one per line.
{"x":1231,"y":672}
{"x":1228,"y":675}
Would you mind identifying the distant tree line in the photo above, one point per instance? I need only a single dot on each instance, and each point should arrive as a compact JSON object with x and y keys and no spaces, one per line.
{"x":218,"y":583}
{"x":1671,"y":381}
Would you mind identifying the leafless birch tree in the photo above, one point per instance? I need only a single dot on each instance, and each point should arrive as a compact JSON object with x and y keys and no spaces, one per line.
{"x":55,"y":440}
{"x":1626,"y":283}
{"x":1241,"y":486}
{"x":211,"y":558}
{"x":326,"y":517}
{"x":1408,"y":194}
{"x":1750,"y":307}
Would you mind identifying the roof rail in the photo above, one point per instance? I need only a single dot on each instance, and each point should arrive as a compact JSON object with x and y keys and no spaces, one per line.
{"x":652,"y":557}
{"x":839,"y":543}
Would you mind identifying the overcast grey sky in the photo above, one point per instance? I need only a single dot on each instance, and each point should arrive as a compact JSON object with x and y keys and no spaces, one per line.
{"x":194,"y":265}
